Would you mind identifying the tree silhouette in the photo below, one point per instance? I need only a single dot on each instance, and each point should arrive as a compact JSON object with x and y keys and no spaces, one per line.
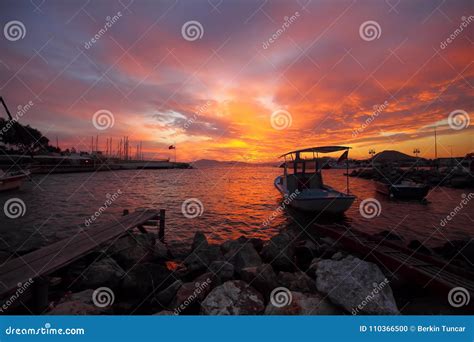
{"x":26,"y":139}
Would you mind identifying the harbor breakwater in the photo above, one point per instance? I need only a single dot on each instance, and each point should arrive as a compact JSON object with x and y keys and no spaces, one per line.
{"x":288,"y":274}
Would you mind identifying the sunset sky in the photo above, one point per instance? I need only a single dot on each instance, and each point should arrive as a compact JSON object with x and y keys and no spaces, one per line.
{"x":213,"y":95}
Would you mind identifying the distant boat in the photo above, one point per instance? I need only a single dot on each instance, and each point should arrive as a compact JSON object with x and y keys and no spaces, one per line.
{"x":12,"y":180}
{"x":302,"y":184}
{"x":403,"y":190}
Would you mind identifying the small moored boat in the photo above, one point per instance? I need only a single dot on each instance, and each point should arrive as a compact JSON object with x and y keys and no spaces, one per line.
{"x":403,"y":190}
{"x":302,"y":183}
{"x":12,"y":180}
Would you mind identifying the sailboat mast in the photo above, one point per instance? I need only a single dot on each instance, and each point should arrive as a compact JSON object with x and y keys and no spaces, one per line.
{"x":436,"y":148}
{"x":347,"y":173}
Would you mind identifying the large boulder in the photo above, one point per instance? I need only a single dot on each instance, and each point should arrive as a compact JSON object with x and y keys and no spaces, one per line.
{"x":328,"y":247}
{"x":230,"y":248}
{"x":338,"y":256}
{"x":247,"y":256}
{"x":160,"y":251}
{"x":262,"y":278}
{"x":222,"y":269}
{"x":79,"y":303}
{"x":165,"y":296}
{"x":298,"y":281}
{"x":104,"y":272}
{"x":199,"y":241}
{"x":313,"y":266}
{"x":190,"y":295}
{"x":234,"y":297}
{"x":279,"y":252}
{"x":201,"y":256}
{"x":200,"y":259}
{"x":305,"y":251}
{"x":303,"y":304}
{"x":133,"y":249}
{"x":356,"y":285}
{"x":145,"y":280}
{"x":257,"y":243}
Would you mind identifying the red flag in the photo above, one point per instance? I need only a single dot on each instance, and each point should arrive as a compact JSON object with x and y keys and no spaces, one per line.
{"x":343,"y":156}
{"x":172,"y":147}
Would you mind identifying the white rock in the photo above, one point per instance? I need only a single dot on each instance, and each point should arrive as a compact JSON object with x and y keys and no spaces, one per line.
{"x":356,"y":285}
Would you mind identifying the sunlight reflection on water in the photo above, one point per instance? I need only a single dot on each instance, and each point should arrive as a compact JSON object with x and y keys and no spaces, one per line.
{"x":236,"y":202}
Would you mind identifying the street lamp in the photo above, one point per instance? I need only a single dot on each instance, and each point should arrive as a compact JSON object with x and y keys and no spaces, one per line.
{"x":372,"y":153}
{"x":416,"y":151}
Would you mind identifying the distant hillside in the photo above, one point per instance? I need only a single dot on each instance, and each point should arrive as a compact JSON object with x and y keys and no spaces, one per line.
{"x":203,"y":163}
{"x":392,"y":156}
{"x":388,"y":156}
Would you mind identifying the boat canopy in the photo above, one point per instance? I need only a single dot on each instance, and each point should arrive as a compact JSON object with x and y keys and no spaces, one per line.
{"x":321,"y":149}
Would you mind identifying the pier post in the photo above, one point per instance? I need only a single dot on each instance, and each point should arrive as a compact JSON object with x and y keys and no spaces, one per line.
{"x":161,"y":232}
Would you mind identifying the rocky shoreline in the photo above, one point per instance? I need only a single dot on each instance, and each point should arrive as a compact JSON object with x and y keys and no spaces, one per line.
{"x":246,"y":276}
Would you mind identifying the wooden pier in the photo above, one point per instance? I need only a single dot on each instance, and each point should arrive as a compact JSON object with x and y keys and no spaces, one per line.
{"x":39,"y":264}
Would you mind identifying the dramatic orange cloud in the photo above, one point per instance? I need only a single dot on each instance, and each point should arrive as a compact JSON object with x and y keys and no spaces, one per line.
{"x":261,"y":78}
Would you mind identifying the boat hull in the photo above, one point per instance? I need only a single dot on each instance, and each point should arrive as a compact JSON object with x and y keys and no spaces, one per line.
{"x":403,"y":192}
{"x":335,"y":204}
{"x":11,"y":183}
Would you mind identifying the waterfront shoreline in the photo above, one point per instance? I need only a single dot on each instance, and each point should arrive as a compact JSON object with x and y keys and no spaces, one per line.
{"x":146,"y":278}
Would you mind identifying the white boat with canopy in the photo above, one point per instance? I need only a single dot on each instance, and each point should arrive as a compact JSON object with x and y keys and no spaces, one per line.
{"x":302,"y":183}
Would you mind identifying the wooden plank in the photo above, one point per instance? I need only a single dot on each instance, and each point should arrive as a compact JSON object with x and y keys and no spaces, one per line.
{"x":50,"y":258}
{"x":53,"y":248}
{"x":95,"y":235}
{"x":67,"y":252}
